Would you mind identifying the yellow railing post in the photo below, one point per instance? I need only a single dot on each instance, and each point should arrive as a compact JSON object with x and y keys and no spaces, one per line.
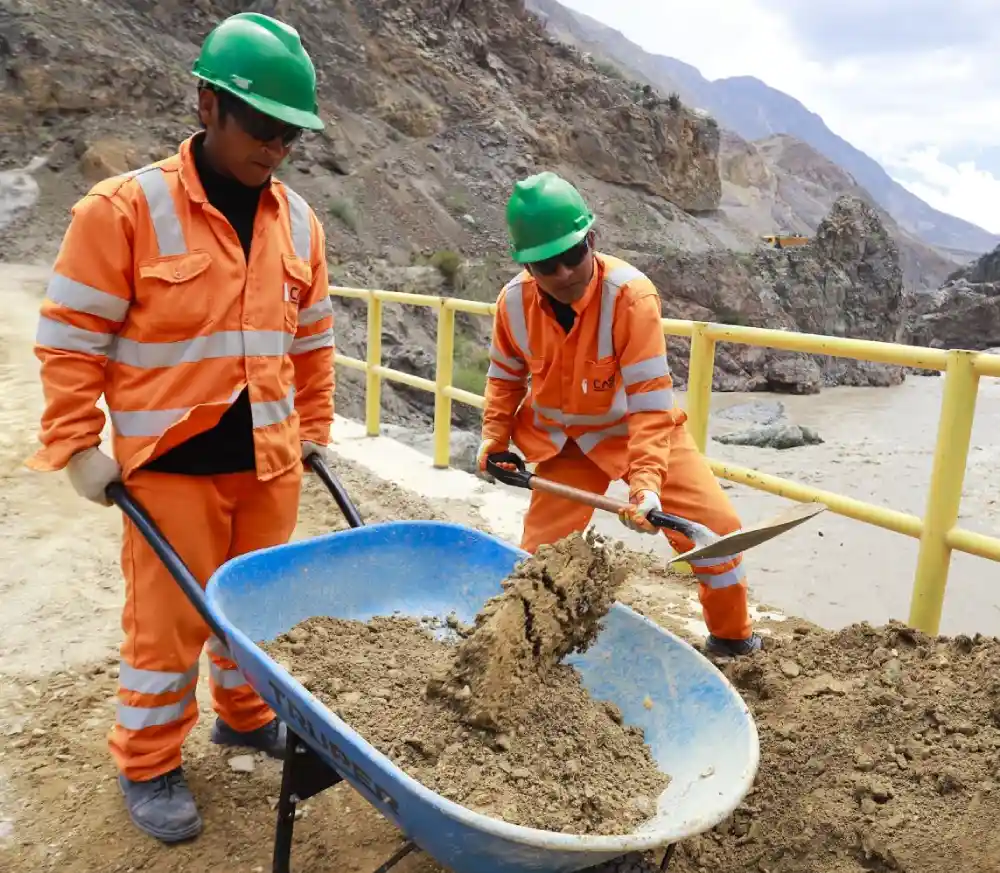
{"x":373,"y":381}
{"x":442,"y":380}
{"x":958,"y":408}
{"x":701,"y":366}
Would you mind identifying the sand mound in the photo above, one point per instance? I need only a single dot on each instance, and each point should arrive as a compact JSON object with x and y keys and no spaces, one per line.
{"x":880,"y":751}
{"x":509,"y":730}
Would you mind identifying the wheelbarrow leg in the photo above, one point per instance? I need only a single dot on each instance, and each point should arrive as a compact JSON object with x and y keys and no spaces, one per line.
{"x":303,"y":775}
{"x":668,"y":856}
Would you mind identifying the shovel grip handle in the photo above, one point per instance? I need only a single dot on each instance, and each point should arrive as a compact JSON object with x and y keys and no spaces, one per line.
{"x":519,"y":477}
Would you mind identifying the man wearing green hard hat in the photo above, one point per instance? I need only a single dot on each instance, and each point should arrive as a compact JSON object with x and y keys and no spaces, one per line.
{"x":193,"y":294}
{"x":579,"y":382}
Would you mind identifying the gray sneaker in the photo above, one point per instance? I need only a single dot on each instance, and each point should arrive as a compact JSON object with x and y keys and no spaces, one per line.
{"x":162,"y":807}
{"x":270,"y":738}
{"x":733,"y":648}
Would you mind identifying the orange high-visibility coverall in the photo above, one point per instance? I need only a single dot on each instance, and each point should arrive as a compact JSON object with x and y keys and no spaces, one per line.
{"x":152,"y":303}
{"x":596,"y":405}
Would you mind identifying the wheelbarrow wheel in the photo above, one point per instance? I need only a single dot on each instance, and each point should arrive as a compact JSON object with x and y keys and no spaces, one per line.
{"x":635,"y":863}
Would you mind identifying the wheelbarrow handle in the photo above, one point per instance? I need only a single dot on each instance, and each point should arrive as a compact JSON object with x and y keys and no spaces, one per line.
{"x":338,"y":491}
{"x":138,"y":515}
{"x":519,"y":477}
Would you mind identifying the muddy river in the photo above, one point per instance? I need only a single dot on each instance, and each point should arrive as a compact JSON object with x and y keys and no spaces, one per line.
{"x":878,"y":447}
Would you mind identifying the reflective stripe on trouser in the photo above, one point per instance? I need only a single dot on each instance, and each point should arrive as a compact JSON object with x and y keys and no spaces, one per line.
{"x":207,"y":519}
{"x":691,"y":491}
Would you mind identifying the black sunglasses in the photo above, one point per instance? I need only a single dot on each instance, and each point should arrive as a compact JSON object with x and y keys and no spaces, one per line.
{"x":569,"y":259}
{"x":257,"y":124}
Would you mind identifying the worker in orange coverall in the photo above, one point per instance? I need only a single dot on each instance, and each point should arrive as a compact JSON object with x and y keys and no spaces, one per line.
{"x":193,"y":294}
{"x":579,"y":382}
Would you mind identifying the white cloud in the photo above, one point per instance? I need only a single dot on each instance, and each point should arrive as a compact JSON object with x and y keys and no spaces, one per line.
{"x":960,"y":190}
{"x":937,"y":91}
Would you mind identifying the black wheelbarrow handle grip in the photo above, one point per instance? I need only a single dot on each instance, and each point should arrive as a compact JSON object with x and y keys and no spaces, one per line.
{"x":338,"y":491}
{"x":118,"y":494}
{"x":519,"y":477}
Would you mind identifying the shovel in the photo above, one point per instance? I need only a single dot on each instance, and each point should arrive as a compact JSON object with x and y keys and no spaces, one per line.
{"x":706,"y":543}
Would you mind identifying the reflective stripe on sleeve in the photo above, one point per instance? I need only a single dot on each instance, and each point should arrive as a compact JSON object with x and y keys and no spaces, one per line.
{"x":59,"y":335}
{"x":651,"y":401}
{"x":322,"y":340}
{"x":642,"y":371}
{"x":83,"y":298}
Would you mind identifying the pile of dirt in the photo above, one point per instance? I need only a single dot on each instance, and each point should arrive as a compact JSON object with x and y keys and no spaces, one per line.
{"x":550,"y":606}
{"x":880,"y":751}
{"x":563,"y":761}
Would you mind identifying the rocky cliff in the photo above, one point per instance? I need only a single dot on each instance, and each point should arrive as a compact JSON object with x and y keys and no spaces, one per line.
{"x":846,"y":282}
{"x":783,"y":184}
{"x":434,"y":110}
{"x":964,"y":313}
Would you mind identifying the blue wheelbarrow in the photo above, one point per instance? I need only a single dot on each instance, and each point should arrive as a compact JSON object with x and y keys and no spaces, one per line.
{"x":699,"y":730}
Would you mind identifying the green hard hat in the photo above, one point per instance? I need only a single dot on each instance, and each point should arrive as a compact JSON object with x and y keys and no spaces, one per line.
{"x":261,"y":60}
{"x":546,"y":216}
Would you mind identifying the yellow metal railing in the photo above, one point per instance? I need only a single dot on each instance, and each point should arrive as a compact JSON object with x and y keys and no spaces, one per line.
{"x":937,"y":531}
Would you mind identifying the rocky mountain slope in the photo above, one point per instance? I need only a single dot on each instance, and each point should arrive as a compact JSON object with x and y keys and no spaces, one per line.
{"x":434,"y":109}
{"x":964,"y":313}
{"x":756,"y":111}
{"x":847,"y":282}
{"x":783,"y":183}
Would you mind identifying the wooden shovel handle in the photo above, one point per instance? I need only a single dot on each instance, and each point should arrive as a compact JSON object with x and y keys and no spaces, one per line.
{"x":510,"y":469}
{"x":588,"y":498}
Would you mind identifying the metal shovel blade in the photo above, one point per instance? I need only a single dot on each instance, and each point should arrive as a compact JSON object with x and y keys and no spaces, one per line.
{"x":741,"y":540}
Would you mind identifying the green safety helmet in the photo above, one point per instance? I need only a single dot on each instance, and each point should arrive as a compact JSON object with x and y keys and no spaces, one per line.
{"x":546,"y":216}
{"x":261,"y":60}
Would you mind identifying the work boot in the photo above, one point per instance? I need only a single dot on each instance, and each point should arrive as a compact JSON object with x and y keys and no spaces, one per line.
{"x":733,"y":648}
{"x":270,"y":738}
{"x":162,"y":807}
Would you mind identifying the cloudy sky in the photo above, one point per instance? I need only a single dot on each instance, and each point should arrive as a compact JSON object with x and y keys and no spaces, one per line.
{"x":914,"y":83}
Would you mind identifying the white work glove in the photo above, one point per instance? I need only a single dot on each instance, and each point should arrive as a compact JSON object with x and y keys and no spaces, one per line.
{"x":640,"y":505}
{"x":309,"y":448}
{"x":488,"y":447}
{"x":91,"y":472}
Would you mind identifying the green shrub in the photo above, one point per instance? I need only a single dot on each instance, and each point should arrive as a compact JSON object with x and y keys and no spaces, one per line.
{"x":471,"y":363}
{"x":448,"y":264}
{"x":609,"y":69}
{"x":343,"y":209}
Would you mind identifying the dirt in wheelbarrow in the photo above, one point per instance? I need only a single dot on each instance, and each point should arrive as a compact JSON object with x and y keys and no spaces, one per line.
{"x":496,"y":722}
{"x":880,"y":751}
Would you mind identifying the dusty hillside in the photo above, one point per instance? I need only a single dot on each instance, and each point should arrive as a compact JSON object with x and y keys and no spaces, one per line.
{"x":434,"y":109}
{"x":783,"y":184}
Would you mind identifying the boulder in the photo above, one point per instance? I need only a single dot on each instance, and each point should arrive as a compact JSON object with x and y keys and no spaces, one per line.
{"x":772,"y":436}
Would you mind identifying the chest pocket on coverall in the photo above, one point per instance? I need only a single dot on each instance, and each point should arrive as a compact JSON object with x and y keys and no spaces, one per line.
{"x":594,"y":387}
{"x":171,"y":303}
